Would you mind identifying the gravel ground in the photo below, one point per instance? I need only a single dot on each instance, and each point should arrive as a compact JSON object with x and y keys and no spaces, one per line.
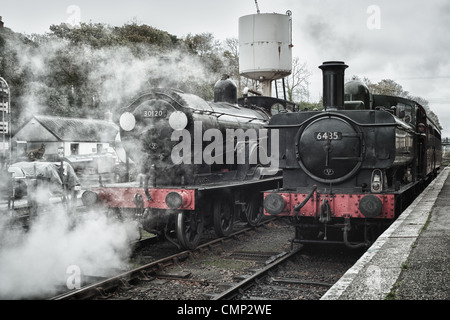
{"x":214,"y":270}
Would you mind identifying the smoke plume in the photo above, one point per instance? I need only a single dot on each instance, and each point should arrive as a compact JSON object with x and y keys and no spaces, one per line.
{"x":39,"y":262}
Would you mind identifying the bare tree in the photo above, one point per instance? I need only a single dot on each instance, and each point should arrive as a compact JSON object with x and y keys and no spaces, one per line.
{"x":231,"y":64}
{"x":388,"y":87}
{"x":231,"y":57}
{"x":297,"y":82}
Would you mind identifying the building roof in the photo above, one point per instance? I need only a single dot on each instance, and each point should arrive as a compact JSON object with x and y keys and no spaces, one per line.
{"x":78,"y":129}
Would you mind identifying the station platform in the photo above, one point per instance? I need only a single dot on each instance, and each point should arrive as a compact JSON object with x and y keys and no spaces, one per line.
{"x":411,"y":259}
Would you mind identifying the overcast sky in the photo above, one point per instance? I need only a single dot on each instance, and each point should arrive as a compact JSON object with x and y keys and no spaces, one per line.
{"x":404,"y":40}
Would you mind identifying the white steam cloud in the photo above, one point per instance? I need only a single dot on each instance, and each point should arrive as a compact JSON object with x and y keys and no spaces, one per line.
{"x":104,"y":78}
{"x":37,"y":263}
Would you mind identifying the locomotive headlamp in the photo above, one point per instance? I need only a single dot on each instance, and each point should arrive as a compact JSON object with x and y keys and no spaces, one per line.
{"x":127,"y":121}
{"x":176,"y":200}
{"x":178,"y":120}
{"x":377,"y":181}
{"x":89,"y":198}
{"x":274,"y":203}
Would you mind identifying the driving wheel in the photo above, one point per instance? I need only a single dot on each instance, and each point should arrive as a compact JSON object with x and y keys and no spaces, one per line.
{"x":223,"y":216}
{"x":189,"y":228}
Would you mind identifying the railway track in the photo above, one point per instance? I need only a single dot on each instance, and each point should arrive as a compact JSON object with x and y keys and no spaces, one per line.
{"x":239,"y":289}
{"x":243,"y":266}
{"x":249,"y":264}
{"x":104,"y":288}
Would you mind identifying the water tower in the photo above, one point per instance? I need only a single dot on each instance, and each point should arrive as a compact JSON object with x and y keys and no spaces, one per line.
{"x":265,"y":48}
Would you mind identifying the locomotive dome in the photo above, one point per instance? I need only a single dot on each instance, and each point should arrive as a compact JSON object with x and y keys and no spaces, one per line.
{"x":356,"y":90}
{"x":225,"y":90}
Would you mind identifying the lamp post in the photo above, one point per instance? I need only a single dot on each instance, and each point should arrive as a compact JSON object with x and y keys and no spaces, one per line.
{"x":5,"y":125}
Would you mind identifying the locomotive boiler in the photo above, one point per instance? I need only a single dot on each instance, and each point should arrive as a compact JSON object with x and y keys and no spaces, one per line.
{"x":198,"y":163}
{"x":349,"y":170}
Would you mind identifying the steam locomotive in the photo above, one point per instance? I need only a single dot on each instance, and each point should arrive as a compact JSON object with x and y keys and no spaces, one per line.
{"x":199,"y":162}
{"x":349,"y":170}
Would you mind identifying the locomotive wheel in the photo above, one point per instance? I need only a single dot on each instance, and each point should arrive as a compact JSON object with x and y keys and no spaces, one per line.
{"x":189,"y":228}
{"x":254,"y":210}
{"x":223,"y":216}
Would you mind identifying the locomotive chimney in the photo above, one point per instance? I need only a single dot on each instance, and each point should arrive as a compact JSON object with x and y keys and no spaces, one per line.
{"x":333,"y":84}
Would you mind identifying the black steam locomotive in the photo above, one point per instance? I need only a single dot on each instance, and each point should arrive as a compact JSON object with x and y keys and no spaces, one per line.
{"x":199,"y":162}
{"x":349,"y":170}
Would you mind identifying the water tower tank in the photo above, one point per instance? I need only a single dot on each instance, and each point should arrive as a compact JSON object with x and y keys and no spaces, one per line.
{"x":265,"y":46}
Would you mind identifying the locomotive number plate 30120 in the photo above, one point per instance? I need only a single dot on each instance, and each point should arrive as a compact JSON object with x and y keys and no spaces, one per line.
{"x":328,"y":135}
{"x":155,"y":113}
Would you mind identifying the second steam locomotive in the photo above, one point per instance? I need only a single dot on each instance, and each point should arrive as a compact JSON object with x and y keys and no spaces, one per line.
{"x":349,"y":170}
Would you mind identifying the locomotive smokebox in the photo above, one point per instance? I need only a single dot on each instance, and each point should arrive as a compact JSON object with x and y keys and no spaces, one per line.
{"x":333,"y":84}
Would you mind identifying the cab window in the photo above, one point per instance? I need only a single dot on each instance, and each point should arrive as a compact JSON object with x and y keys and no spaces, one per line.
{"x":276,"y":108}
{"x":405,"y":112}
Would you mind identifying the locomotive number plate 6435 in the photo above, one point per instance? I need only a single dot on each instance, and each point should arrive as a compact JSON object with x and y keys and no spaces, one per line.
{"x":155,"y":113}
{"x":328,"y":135}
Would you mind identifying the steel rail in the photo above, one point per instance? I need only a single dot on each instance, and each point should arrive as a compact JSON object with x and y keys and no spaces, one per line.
{"x":100,"y":288}
{"x":251,"y":280}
